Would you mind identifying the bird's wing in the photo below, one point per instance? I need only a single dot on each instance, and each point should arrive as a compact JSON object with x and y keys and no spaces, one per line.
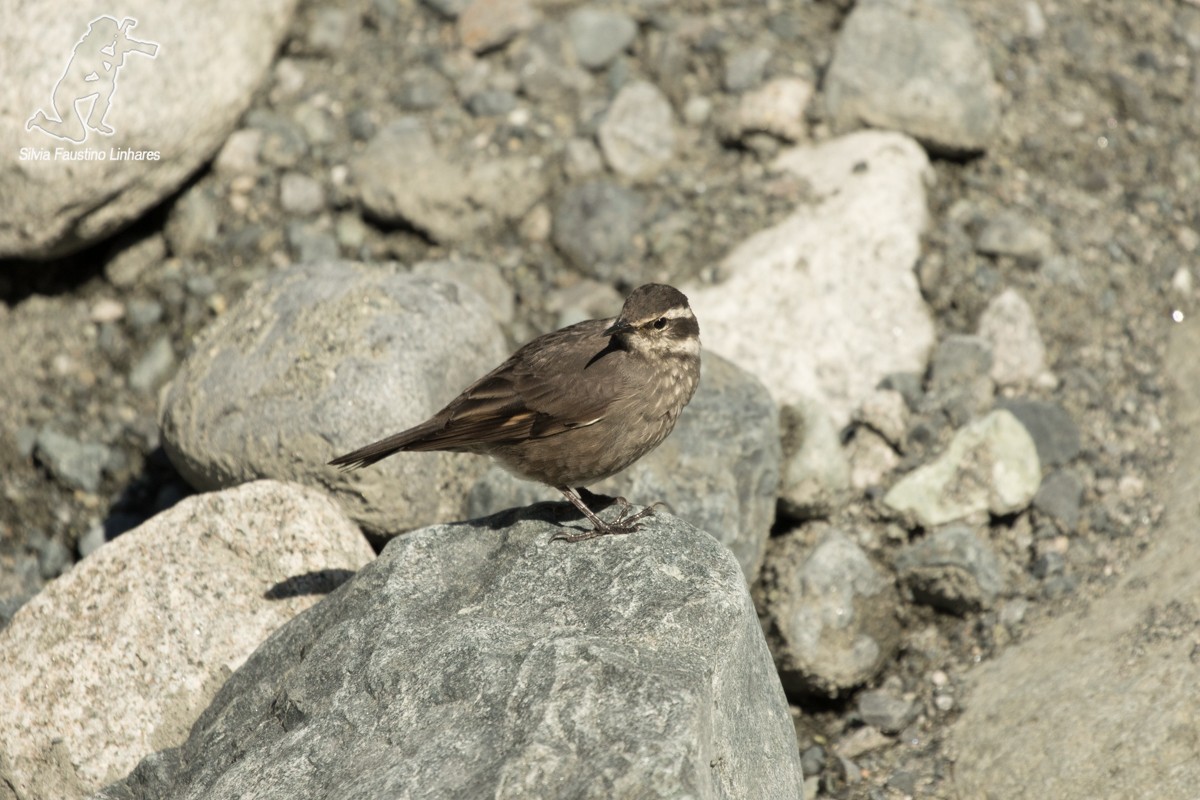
{"x":564,"y":380}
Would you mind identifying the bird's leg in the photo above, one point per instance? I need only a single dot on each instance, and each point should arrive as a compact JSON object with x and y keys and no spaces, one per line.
{"x":599,"y":526}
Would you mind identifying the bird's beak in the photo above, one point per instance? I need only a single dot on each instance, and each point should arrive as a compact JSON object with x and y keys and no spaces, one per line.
{"x":620,"y":326}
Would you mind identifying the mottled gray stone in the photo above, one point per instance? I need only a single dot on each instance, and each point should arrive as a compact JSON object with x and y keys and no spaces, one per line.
{"x":829,"y":612}
{"x":960,"y":382}
{"x":193,"y":222}
{"x":79,"y":465}
{"x":1011,"y":233}
{"x":421,"y":89}
{"x":598,"y":35}
{"x":914,"y":66}
{"x":594,"y":226}
{"x":719,"y":468}
{"x":154,"y":366}
{"x":953,"y":570}
{"x":885,"y":711}
{"x":403,"y":179}
{"x":1018,"y":353}
{"x":322,"y":358}
{"x":484,"y":660}
{"x":816,"y":471}
{"x":491,"y":103}
{"x":744,"y":68}
{"x":637,"y":135}
{"x":482,"y":276}
{"x":1059,"y":497}
{"x":300,"y":194}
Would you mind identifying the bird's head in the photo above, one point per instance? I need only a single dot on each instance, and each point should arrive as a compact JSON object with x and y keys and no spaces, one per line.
{"x":656,"y":319}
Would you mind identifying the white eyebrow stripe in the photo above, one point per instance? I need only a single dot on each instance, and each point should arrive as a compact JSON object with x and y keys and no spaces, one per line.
{"x":678,"y":312}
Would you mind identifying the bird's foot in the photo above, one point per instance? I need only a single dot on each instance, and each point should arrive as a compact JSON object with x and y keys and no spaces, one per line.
{"x":625,"y":523}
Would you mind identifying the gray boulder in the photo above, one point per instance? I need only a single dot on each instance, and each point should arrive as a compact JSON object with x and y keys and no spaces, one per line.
{"x":914,"y":66}
{"x":319,"y":359}
{"x":118,"y":657}
{"x":829,"y":612}
{"x":179,"y":105}
{"x":483,"y":660}
{"x":719,"y":468}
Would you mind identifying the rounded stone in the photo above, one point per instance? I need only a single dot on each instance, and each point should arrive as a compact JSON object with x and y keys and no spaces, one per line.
{"x":322,"y":358}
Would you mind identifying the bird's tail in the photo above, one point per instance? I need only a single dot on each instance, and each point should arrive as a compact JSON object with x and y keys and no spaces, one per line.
{"x":411,"y":439}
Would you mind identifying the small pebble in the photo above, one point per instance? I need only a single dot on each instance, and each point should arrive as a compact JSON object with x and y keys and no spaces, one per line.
{"x":107,"y":310}
{"x":300,"y":194}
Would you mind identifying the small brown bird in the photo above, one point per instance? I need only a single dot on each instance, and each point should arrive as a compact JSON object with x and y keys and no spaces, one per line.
{"x":574,"y":406}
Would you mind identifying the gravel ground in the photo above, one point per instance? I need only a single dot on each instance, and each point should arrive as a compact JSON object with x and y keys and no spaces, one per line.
{"x":1085,"y":201}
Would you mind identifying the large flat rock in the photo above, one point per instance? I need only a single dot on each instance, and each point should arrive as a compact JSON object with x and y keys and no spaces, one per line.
{"x":484,"y":660}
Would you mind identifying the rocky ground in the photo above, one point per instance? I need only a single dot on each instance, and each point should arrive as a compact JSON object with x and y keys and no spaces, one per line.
{"x":580,"y":153}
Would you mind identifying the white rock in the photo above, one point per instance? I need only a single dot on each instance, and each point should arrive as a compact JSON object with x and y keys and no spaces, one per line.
{"x":816,"y":472}
{"x":118,"y":657}
{"x":180,"y":104}
{"x":822,"y":305}
{"x":776,"y":108}
{"x":1018,"y":354}
{"x":991,"y":465}
{"x":638,"y":134}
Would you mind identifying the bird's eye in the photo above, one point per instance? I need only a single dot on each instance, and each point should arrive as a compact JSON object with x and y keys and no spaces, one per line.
{"x":660,"y":323}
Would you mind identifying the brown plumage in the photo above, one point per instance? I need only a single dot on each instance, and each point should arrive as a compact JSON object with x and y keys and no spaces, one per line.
{"x":574,"y":406}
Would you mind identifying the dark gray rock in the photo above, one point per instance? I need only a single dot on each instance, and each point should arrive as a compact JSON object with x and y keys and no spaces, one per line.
{"x":594,"y":227}
{"x":953,"y":570}
{"x":79,"y":465}
{"x":1060,"y":497}
{"x":719,"y":468}
{"x":635,"y":668}
{"x":1013,"y":234}
{"x":914,"y":66}
{"x":143,"y":314}
{"x":310,"y":244}
{"x":885,"y":711}
{"x":1054,"y":432}
{"x":491,"y":103}
{"x":450,"y":9}
{"x":960,"y":383}
{"x":319,"y":359}
{"x":599,"y":35}
{"x":958,"y":359}
{"x":829,"y":612}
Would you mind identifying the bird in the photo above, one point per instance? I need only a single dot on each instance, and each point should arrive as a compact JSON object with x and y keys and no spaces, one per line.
{"x":573,"y":406}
